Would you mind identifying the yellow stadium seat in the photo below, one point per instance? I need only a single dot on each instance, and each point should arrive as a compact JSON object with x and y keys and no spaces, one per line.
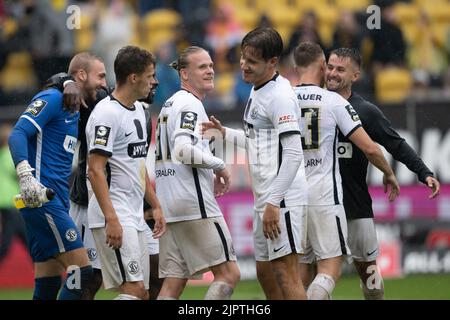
{"x":247,"y":18}
{"x":85,"y":36}
{"x":161,"y":19}
{"x":409,"y":31}
{"x":235,"y":3}
{"x":304,"y":5}
{"x":284,"y":17}
{"x":422,"y":3}
{"x":441,"y":32}
{"x":153,"y":40}
{"x":224,"y":83}
{"x":438,"y":12}
{"x":392,"y":85}
{"x":10,"y":27}
{"x":328,"y":16}
{"x":406,"y":13}
{"x":352,"y":5}
{"x":18,"y":72}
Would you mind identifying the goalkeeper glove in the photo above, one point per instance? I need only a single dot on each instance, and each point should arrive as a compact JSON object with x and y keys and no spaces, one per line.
{"x":32,"y":191}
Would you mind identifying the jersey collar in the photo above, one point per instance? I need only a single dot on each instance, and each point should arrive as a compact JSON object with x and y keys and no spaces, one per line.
{"x":114,"y":99}
{"x":306,"y":85}
{"x":274,"y":78}
{"x":191,"y":93}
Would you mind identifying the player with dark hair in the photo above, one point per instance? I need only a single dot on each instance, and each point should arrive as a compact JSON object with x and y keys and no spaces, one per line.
{"x":73,"y":99}
{"x":117,"y":143}
{"x":273,"y":144}
{"x":342,"y":71}
{"x":323,"y":113}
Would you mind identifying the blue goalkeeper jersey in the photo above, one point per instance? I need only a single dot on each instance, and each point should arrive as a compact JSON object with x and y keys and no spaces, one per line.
{"x":46,"y":136}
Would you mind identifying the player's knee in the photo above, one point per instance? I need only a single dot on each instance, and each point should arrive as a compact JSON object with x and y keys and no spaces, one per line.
{"x":321,"y":287}
{"x":227,"y":272}
{"x":234,"y":274}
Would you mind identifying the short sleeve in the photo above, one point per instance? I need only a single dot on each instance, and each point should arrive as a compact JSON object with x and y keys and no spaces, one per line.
{"x":43,"y":109}
{"x":285,"y":114}
{"x":346,"y":117}
{"x":102,"y":131}
{"x":188,"y":119}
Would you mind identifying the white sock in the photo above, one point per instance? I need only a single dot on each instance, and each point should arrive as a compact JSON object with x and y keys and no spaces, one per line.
{"x":124,"y":296}
{"x":374,"y":293}
{"x":165,"y":298}
{"x":321,"y":287}
{"x":219,"y":290}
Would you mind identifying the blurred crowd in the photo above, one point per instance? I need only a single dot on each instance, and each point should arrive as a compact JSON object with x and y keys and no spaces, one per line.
{"x":405,"y":44}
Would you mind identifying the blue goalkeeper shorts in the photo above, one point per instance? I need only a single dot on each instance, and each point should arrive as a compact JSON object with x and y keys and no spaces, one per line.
{"x":50,"y":231}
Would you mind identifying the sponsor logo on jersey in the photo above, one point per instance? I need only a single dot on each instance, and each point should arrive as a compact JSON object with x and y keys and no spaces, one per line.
{"x":70,"y":143}
{"x":164,"y":173}
{"x":92,"y":254}
{"x":36,"y":107}
{"x":137,"y":150}
{"x":345,"y":150}
{"x":188,"y":120}
{"x":102,"y":135}
{"x":71,"y":235}
{"x":286,"y":119}
{"x":313,"y":162}
{"x":133,"y":267}
{"x":353,"y":114}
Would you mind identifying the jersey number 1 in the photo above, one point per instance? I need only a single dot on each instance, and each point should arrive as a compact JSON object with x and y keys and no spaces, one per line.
{"x":162,"y":151}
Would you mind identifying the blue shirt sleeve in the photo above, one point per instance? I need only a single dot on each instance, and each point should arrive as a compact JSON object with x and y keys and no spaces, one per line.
{"x":18,"y":140}
{"x":43,"y":108}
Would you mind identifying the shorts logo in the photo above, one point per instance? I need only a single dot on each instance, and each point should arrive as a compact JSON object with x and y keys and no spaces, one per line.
{"x":92,"y":254}
{"x":36,"y":107}
{"x":101,"y":135}
{"x":133,"y":267}
{"x":71,"y":235}
{"x":188,"y":120}
{"x":353,"y":114}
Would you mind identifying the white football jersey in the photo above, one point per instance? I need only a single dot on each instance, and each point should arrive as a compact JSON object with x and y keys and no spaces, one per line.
{"x":271,"y":111}
{"x":119,"y":133}
{"x":185,"y":192}
{"x":323,"y":114}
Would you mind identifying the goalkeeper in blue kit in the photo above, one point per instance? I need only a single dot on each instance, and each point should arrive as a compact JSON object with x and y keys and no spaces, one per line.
{"x":42,"y":146}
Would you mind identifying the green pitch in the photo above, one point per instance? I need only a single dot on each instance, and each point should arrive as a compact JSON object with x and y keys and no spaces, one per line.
{"x":411,"y":287}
